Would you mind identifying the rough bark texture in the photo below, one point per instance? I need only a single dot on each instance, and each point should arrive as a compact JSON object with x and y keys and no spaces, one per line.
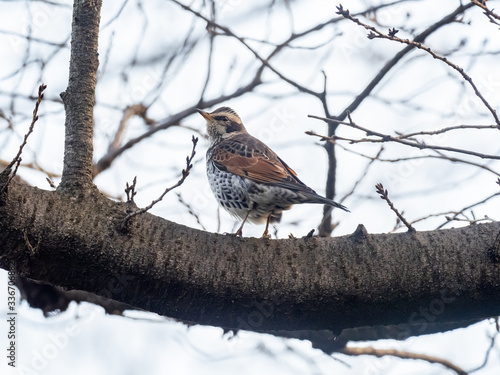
{"x":79,"y":97}
{"x":248,"y":283}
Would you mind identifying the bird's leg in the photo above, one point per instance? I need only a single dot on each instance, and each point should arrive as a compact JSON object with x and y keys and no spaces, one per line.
{"x":265,"y":234}
{"x":239,"y":232}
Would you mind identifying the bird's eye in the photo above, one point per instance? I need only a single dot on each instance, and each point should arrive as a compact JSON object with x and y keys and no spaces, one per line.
{"x":221,"y":118}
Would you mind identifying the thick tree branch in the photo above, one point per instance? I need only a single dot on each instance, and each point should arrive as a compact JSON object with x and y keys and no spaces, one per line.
{"x":247,"y":283}
{"x":79,"y":97}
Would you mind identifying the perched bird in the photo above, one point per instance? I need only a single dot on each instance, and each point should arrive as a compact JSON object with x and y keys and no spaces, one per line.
{"x":247,"y":178}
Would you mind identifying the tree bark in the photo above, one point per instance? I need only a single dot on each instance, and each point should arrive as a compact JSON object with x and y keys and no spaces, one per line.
{"x":75,"y":241}
{"x":248,"y":283}
{"x":79,"y":97}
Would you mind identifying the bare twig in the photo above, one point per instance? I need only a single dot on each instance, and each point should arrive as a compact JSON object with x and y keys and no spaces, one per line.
{"x":265,"y":61}
{"x":374,"y":33}
{"x":191,"y":210}
{"x":7,"y":119}
{"x":17,"y":159}
{"x":209,"y":57}
{"x":493,"y":17}
{"x":461,"y":212}
{"x":384,"y":194}
{"x":389,"y":138}
{"x":32,"y":165}
{"x":30,"y":38}
{"x":363,"y":174}
{"x":105,"y":161}
{"x":353,"y":351}
{"x":131,"y":111}
{"x":487,"y":355}
{"x":326,"y":227}
{"x":471,"y":221}
{"x":449,"y":18}
{"x":356,"y":102}
{"x":130,"y":190}
{"x":439,"y":156}
{"x":185,"y":173}
{"x":447,"y":129}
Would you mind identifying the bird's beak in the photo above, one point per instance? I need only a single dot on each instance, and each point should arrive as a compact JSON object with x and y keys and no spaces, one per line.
{"x":206,"y":115}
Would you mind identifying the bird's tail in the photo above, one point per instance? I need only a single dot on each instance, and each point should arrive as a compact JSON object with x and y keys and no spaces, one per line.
{"x":315,"y":198}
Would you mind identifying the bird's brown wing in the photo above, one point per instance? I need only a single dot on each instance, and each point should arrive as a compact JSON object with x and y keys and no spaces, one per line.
{"x":248,"y":157}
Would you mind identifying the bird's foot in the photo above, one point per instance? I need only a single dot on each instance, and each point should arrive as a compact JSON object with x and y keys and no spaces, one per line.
{"x":266,"y":235}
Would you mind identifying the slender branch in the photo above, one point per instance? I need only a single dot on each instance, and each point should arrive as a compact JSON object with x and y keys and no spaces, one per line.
{"x":185,"y":173}
{"x":131,"y":111}
{"x":374,"y":33}
{"x":389,"y":138}
{"x":488,"y":352}
{"x":106,"y":161}
{"x":17,"y":159}
{"x":493,"y":17}
{"x":449,"y":18}
{"x":32,"y":165}
{"x":326,"y":227}
{"x":384,"y":194}
{"x":473,"y":221}
{"x":191,"y":210}
{"x":356,"y":102}
{"x":440,"y":156}
{"x":363,"y":174}
{"x":278,"y":48}
{"x":468,"y":208}
{"x":447,"y":129}
{"x":264,"y":61}
{"x":352,"y":351}
{"x":209,"y":57}
{"x":31,"y":38}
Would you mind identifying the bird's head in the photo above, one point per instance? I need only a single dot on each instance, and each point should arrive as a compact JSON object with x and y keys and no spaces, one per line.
{"x":222,"y":123}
